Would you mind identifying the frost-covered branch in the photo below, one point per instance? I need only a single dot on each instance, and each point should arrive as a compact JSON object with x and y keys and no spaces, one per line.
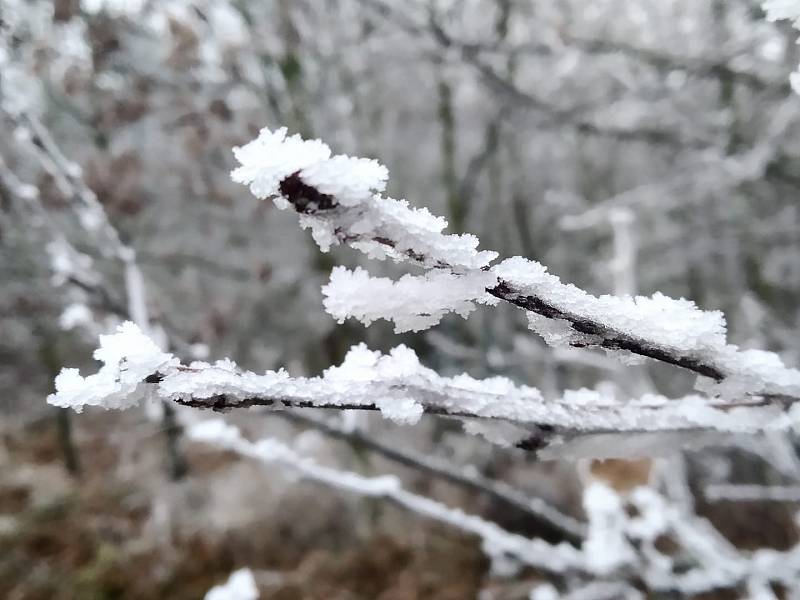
{"x":628,"y":527}
{"x":623,"y":534}
{"x":752,"y":493}
{"x":340,"y":199}
{"x":68,"y":176}
{"x":241,"y":585}
{"x":498,"y":543}
{"x":467,"y":477}
{"x":69,"y":265}
{"x":398,"y":386}
{"x":76,"y":268}
{"x":789,"y":10}
{"x":555,"y":115}
{"x":722,"y":67}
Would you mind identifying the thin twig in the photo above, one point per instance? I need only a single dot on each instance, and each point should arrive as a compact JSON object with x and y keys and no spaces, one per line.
{"x":545,"y":515}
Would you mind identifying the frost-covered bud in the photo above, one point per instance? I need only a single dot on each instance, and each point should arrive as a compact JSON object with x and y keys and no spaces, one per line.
{"x":304,"y":198}
{"x":303,"y":173}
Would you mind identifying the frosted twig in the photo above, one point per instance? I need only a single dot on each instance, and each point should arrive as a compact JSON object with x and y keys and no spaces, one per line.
{"x":398,"y":386}
{"x":339,"y":199}
{"x":532,"y":506}
{"x":716,"y":564}
{"x":68,"y":264}
{"x":90,"y":212}
{"x":556,"y":117}
{"x":241,"y":585}
{"x":752,"y":493}
{"x":496,"y":542}
{"x":785,"y":10}
{"x":94,"y":220}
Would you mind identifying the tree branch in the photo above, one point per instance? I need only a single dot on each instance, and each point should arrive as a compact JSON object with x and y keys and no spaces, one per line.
{"x":549,"y":518}
{"x":400,"y":388}
{"x":610,"y":339}
{"x":594,"y":333}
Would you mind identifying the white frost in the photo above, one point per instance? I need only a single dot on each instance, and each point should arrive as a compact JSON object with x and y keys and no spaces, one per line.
{"x":403,"y":411}
{"x":669,"y":323}
{"x":351,"y":180}
{"x":128,"y":358}
{"x":413,"y":303}
{"x":272,"y":156}
{"x":240,"y":586}
{"x":398,"y":385}
{"x":782,"y":9}
{"x":75,"y":315}
{"x":606,"y":547}
{"x":677,"y":326}
{"x":498,"y":544}
{"x":778,"y":10}
{"x":354,"y":183}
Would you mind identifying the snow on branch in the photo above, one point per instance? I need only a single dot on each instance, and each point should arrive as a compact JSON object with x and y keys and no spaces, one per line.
{"x":752,"y":493}
{"x":128,"y":358}
{"x":397,"y":385}
{"x":624,"y":529}
{"x":69,"y":178}
{"x":340,"y":200}
{"x":356,"y":294}
{"x":497,"y":543}
{"x":779,"y":10}
{"x":241,"y":585}
{"x":300,"y":174}
{"x":535,"y":509}
{"x":68,"y":264}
